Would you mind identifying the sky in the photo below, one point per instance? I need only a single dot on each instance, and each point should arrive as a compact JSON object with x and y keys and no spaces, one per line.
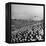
{"x":26,"y":12}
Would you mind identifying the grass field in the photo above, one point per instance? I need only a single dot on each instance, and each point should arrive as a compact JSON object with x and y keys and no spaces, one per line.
{"x":21,"y":29}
